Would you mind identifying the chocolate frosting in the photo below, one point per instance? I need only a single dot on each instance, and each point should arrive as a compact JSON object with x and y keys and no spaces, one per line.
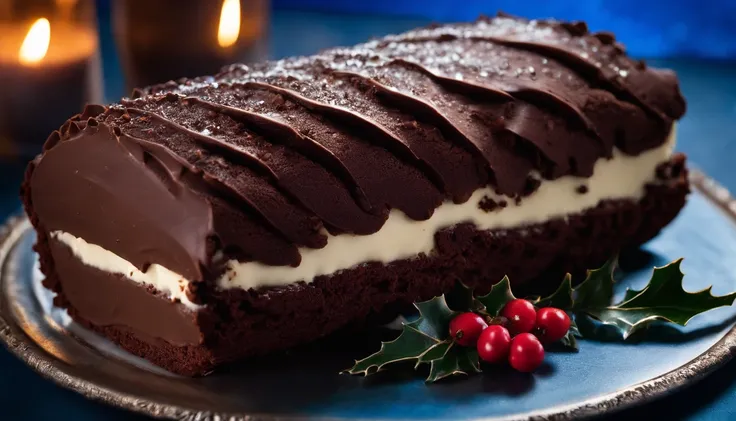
{"x":93,"y":186}
{"x":258,"y":161}
{"x":110,"y":299}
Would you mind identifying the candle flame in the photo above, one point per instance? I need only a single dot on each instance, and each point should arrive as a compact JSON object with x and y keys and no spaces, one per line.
{"x":229,"y":29}
{"x":36,"y":44}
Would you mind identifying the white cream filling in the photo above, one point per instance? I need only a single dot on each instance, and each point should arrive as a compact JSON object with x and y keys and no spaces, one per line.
{"x":169,"y":283}
{"x":621,"y":177}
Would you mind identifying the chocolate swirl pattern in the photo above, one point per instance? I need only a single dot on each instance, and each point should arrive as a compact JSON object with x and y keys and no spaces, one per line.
{"x":287,"y":151}
{"x":198,"y":221}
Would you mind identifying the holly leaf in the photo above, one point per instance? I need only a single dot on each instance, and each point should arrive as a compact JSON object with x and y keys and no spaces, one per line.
{"x":630,"y":293}
{"x":456,"y":360}
{"x":596,"y":291}
{"x":434,"y":318}
{"x":574,"y":330}
{"x":499,"y":295}
{"x":461,"y":299}
{"x":426,"y":339}
{"x":434,"y":353}
{"x":562,"y":298}
{"x":420,"y":337}
{"x":411,"y":344}
{"x":662,"y":299}
{"x":570,"y":339}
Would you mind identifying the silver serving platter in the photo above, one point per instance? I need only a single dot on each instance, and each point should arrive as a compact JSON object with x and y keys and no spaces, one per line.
{"x":305,"y":384}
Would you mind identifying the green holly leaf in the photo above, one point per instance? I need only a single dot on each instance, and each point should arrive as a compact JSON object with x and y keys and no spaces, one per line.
{"x":435,"y":352}
{"x":461,"y":299}
{"x":426,"y":339}
{"x":562,"y":298}
{"x":574,"y":330}
{"x":499,"y":295}
{"x":434,"y":318}
{"x":457,"y":360}
{"x":630,"y":293}
{"x":596,"y":291}
{"x":662,"y":299}
{"x":417,"y":338}
{"x":410,"y":345}
{"x":570,"y":339}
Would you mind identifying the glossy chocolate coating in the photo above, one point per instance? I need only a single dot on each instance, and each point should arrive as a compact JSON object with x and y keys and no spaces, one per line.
{"x":260,"y":161}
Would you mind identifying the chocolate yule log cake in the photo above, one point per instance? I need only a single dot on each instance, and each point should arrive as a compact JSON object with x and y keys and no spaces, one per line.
{"x":210,"y":219}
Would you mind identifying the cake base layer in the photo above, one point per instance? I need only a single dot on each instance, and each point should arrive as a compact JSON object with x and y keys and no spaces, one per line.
{"x":237,"y":323}
{"x":136,"y":316}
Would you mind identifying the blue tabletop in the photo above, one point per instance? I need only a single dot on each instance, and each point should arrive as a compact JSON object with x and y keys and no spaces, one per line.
{"x":707,"y":134}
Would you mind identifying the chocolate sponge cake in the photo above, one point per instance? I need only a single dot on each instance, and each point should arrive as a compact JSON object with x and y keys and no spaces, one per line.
{"x":206,"y":220}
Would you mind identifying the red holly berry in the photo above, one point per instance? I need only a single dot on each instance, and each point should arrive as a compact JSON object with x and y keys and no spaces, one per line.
{"x":552,"y":324}
{"x":526,"y":353}
{"x":465,"y":328}
{"x":521,"y":316}
{"x":494,"y":343}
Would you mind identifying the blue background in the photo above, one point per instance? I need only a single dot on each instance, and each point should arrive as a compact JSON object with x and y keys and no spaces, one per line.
{"x":651,"y":28}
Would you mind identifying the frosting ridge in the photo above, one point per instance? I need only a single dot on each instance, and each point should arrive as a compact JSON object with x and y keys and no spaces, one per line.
{"x":287,"y":155}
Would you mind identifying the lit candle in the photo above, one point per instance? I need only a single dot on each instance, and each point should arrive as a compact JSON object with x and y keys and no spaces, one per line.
{"x":48,"y":71}
{"x":165,"y":40}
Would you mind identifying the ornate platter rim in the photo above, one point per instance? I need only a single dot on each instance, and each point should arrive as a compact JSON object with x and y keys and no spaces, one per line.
{"x":18,"y":343}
